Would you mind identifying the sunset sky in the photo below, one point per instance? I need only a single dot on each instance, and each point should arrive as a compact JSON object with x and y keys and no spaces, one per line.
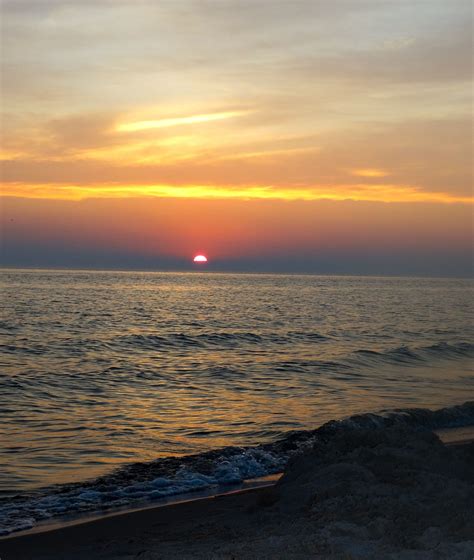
{"x":307,"y":136}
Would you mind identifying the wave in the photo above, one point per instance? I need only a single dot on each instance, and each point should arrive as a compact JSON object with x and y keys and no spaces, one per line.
{"x":214,"y":339}
{"x":361,"y":360}
{"x":417,"y":418}
{"x":358,"y":359}
{"x":148,"y":482}
{"x":405,"y":355}
{"x":322,"y":356}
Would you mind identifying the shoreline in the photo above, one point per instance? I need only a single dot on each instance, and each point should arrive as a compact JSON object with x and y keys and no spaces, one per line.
{"x":456,"y":436}
{"x":68,"y":541}
{"x":194,"y":527}
{"x":251,"y":485}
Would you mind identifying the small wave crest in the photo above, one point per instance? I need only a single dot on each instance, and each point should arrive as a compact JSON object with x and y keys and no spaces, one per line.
{"x":405,"y":355}
{"x":417,"y":418}
{"x":214,"y":339}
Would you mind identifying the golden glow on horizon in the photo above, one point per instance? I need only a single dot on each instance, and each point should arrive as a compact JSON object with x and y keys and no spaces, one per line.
{"x":358,"y":192}
{"x":164,"y":123}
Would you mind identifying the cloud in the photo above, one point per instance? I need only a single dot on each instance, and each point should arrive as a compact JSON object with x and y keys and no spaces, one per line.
{"x":369,"y":173}
{"x":156,"y":52}
{"x":176,"y":121}
{"x":294,"y":96}
{"x":431,"y":155}
{"x":357,"y":192}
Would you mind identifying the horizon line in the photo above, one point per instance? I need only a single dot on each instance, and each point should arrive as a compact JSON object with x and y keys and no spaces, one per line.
{"x":222,"y":272}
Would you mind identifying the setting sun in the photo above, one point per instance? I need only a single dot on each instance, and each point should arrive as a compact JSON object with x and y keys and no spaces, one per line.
{"x":200,"y":259}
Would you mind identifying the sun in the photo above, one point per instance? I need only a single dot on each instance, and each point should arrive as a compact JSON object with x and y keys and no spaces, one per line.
{"x":200,"y":259}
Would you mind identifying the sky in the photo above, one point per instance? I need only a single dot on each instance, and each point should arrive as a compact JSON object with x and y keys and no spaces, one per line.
{"x":302,"y":136}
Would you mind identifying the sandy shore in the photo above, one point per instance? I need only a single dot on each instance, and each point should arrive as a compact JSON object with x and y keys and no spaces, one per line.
{"x":361,"y":495}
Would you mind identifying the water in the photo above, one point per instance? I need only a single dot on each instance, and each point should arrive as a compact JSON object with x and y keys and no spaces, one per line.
{"x":104,"y":369}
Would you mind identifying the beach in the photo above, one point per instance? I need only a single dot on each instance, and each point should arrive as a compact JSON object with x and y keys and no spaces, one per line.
{"x":394,"y":492}
{"x":112,"y":380}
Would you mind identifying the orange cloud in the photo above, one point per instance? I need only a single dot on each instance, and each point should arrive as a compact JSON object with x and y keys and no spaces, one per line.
{"x":176,"y":121}
{"x":370,"y":173}
{"x":358,"y":192}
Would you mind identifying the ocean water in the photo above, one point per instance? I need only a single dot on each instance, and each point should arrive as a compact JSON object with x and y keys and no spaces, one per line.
{"x":119,"y":387}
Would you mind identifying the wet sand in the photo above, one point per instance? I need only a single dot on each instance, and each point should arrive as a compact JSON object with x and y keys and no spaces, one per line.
{"x":186,"y":530}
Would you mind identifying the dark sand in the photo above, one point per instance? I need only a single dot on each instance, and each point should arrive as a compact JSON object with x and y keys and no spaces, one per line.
{"x":361,"y":495}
